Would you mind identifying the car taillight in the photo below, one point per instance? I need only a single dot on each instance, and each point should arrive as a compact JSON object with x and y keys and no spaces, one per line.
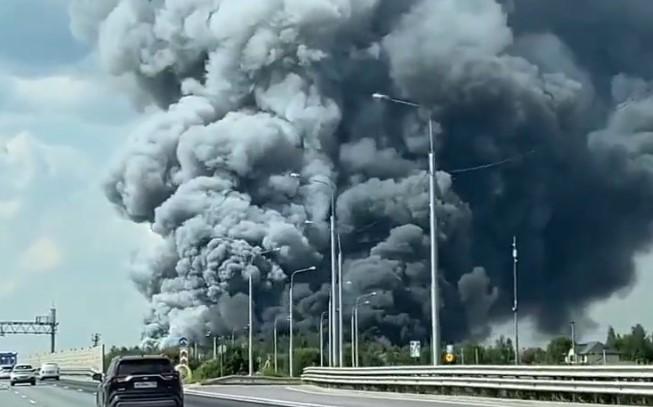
{"x":170,"y":376}
{"x":120,"y":379}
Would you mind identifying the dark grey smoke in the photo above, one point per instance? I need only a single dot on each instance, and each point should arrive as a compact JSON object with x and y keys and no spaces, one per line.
{"x":251,"y":90}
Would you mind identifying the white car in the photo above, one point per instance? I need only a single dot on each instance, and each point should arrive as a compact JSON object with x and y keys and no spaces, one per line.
{"x":49,"y":371}
{"x":5,"y":372}
{"x":22,"y":374}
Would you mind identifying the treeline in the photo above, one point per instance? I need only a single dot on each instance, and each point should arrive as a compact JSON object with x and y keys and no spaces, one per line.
{"x":635,"y":346}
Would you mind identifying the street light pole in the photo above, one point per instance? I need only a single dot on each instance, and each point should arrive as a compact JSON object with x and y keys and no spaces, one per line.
{"x":290,"y":316}
{"x":333,"y":327}
{"x":276,"y":358}
{"x":322,"y":338}
{"x":573,"y":340}
{"x":340,"y":309}
{"x":276,"y":369}
{"x":334,"y":266}
{"x":435,"y":315}
{"x":514,"y":306}
{"x":250,"y":350}
{"x":329,"y":342}
{"x":250,"y":340}
{"x":355,"y":358}
{"x":353,"y":341}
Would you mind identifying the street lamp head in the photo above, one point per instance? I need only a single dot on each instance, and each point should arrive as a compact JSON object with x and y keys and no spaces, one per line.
{"x":366,"y":302}
{"x":380,"y":96}
{"x":373,"y":293}
{"x":311,"y":268}
{"x":309,"y":222}
{"x":295,"y":175}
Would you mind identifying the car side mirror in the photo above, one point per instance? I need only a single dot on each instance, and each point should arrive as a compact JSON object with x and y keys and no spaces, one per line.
{"x":97,"y":377}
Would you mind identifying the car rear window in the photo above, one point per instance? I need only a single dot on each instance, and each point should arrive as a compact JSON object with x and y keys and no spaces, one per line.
{"x":144,"y":366}
{"x":23,"y":367}
{"x":6,"y":368}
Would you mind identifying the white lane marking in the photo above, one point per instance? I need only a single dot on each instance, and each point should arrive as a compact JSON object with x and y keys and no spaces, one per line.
{"x":398,"y":397}
{"x":32,"y":402}
{"x":462,"y":400}
{"x":22,"y":396}
{"x":255,"y":400}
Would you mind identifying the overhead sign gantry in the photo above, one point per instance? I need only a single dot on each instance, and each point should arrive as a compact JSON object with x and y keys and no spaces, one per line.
{"x":42,"y":325}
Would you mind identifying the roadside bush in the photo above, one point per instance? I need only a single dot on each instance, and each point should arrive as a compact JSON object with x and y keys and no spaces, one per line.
{"x":306,"y":357}
{"x":207,"y":370}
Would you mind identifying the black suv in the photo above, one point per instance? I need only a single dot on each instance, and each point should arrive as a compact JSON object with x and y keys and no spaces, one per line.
{"x":133,"y":381}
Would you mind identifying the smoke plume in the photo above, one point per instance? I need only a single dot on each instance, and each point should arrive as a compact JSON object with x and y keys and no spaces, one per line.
{"x":245,"y":93}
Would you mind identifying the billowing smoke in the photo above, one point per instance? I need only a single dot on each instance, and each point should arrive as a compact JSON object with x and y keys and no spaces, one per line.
{"x":245,"y":93}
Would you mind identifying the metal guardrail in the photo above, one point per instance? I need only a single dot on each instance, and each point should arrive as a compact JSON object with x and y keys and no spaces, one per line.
{"x":600,"y":384}
{"x":76,"y":372}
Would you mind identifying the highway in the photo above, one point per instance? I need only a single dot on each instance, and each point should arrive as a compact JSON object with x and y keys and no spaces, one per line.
{"x":67,"y":395}
{"x":58,"y":395}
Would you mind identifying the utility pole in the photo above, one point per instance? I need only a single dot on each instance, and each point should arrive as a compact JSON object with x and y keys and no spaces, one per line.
{"x":53,"y":328}
{"x":433,"y":222}
{"x":353,"y":340}
{"x":322,"y":338}
{"x":514,"y":306}
{"x":340,"y":308}
{"x":329,"y":339}
{"x":333,"y":327}
{"x":251,"y":328}
{"x":435,"y":314}
{"x":334,"y":266}
{"x":290,"y":317}
{"x":573,"y":340}
{"x":95,"y":339}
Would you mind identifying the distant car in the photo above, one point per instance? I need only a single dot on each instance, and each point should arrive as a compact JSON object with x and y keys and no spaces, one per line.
{"x":140,"y":380}
{"x":5,"y":372}
{"x":22,"y":374}
{"x":49,"y":371}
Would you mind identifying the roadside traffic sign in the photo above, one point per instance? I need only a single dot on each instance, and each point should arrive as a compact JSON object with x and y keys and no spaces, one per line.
{"x":415,"y":349}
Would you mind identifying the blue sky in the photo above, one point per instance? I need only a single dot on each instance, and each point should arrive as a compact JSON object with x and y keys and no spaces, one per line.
{"x":60,"y":241}
{"x":61,"y":120}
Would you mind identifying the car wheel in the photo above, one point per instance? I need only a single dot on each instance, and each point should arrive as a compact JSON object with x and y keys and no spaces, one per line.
{"x":56,"y":378}
{"x":33,"y":382}
{"x":12,"y":384}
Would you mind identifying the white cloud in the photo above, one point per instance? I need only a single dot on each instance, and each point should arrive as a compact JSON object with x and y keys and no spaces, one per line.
{"x":23,"y":158}
{"x":9,"y":208}
{"x":59,"y":92}
{"x":41,"y":256}
{"x":7,"y":287}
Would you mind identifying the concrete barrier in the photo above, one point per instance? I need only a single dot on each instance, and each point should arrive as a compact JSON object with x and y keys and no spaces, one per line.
{"x":74,"y":359}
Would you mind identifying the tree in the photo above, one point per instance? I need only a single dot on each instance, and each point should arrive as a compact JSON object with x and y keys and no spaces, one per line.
{"x":636,"y":346}
{"x":611,"y":340}
{"x":557,"y":349}
{"x":533,"y":356}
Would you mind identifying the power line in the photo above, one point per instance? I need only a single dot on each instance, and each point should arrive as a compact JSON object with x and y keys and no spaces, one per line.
{"x":493,"y":164}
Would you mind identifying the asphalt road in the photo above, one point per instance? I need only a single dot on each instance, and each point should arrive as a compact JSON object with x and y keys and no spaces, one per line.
{"x":63,"y":394}
{"x":50,"y":394}
{"x":311,"y":396}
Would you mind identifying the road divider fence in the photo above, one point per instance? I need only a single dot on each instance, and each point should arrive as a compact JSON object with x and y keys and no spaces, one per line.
{"x":590,"y":384}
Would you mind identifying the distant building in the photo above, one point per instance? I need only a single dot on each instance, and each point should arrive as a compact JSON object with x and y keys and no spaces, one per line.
{"x":592,"y":353}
